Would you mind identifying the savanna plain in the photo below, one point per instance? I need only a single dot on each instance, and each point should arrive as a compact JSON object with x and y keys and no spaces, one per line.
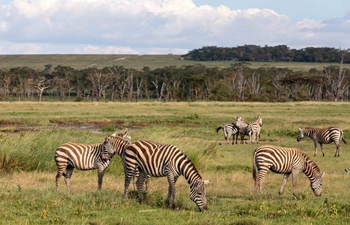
{"x":31,"y":131}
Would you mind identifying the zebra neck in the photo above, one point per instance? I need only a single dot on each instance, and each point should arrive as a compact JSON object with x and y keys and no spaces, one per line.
{"x":189,"y":171}
{"x":310,"y":168}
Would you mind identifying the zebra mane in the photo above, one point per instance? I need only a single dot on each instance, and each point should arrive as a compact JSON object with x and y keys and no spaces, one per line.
{"x":310,"y":163}
{"x":191,"y":173}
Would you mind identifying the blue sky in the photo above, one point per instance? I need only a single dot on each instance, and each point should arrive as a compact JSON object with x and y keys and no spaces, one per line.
{"x":168,"y":26}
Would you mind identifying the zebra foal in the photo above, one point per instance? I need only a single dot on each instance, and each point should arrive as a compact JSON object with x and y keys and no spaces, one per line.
{"x":286,"y":161}
{"x":87,"y":157}
{"x":323,"y":136}
{"x":162,"y":160}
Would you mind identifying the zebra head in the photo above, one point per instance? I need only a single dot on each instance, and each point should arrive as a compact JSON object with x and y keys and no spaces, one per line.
{"x":316,"y":185}
{"x":124,"y":135}
{"x":238,"y":122}
{"x":114,"y":144}
{"x":301,"y":134}
{"x":259,"y":119}
{"x":198,"y":194}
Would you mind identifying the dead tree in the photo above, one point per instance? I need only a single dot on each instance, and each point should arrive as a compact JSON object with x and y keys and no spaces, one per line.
{"x":337,"y":86}
{"x":42,"y":83}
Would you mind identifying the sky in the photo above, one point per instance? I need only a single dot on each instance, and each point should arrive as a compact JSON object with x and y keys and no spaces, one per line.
{"x":168,"y":26}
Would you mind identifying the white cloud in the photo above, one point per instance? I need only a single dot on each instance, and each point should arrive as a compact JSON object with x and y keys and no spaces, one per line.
{"x":310,"y":24}
{"x":151,"y":26}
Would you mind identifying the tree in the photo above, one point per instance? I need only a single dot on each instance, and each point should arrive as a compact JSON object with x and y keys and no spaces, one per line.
{"x":42,"y":83}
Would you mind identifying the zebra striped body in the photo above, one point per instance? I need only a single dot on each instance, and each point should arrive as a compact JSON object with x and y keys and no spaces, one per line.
{"x":243,"y":128}
{"x":86,"y":157}
{"x":163,"y":160}
{"x":254,"y":128}
{"x":229,"y":130}
{"x":323,"y":136}
{"x":286,"y":161}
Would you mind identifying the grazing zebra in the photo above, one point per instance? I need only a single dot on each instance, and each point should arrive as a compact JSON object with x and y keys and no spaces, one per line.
{"x":163,"y":160}
{"x":229,"y":130}
{"x":287,"y":161}
{"x":87,"y":157}
{"x":254,"y":128}
{"x":323,"y":136}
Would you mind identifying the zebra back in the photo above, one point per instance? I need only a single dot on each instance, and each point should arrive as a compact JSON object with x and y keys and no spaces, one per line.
{"x":80,"y":156}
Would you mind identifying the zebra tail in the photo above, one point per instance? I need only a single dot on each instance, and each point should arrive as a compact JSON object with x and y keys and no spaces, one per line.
{"x":342,"y":138}
{"x":254,"y":168}
{"x":217,"y":129}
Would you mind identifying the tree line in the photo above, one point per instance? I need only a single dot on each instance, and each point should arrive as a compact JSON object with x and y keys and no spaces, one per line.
{"x":268,"y":53}
{"x":238,"y":82}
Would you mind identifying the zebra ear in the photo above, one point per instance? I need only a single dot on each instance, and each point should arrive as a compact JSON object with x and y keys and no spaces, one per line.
{"x":206,"y":181}
{"x":322,"y":174}
{"x":299,"y":128}
{"x":125,"y":131}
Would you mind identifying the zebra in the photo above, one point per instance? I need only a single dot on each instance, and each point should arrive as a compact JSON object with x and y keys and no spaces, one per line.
{"x":163,"y":160}
{"x":87,"y":157}
{"x":287,"y":161}
{"x":254,"y":128}
{"x":229,"y":130}
{"x":243,"y":128}
{"x":323,"y":136}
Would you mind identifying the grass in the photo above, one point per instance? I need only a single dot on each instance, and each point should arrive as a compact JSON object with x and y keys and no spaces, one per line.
{"x":137,"y":62}
{"x":30,"y":132}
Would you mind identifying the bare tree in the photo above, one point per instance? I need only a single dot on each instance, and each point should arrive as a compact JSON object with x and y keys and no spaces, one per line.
{"x":42,"y":83}
{"x":160,"y":91}
{"x":6,"y":78}
{"x":100,"y":82}
{"x":337,"y":85}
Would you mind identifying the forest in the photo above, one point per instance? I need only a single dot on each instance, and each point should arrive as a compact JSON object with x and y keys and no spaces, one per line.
{"x":268,"y":53}
{"x":238,"y":82}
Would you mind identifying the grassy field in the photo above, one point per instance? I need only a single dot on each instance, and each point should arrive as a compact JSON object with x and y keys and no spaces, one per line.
{"x":134,"y":61}
{"x":30,"y":133}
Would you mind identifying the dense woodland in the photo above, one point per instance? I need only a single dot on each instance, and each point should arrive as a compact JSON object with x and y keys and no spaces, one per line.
{"x":268,"y":53}
{"x":237,"y":82}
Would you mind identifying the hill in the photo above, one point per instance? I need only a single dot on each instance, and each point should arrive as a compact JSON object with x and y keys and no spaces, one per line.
{"x":133,"y":61}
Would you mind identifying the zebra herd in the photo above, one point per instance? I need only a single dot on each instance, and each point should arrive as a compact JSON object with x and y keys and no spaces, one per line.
{"x":143,"y":159}
{"x":284,"y":160}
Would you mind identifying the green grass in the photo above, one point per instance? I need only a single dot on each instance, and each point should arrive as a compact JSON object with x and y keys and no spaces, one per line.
{"x":30,"y":133}
{"x":137,"y":62}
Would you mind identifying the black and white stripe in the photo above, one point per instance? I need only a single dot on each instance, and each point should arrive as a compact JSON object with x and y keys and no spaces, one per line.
{"x":163,"y":160}
{"x":229,"y":130}
{"x":323,"y":136}
{"x":286,"y":161}
{"x":254,"y":128}
{"x":243,"y":128}
{"x":87,"y":157}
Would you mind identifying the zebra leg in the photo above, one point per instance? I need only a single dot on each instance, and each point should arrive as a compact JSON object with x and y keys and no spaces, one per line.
{"x":58,"y":177}
{"x":139,"y":185}
{"x":294,"y":181}
{"x":171,"y":191}
{"x":259,"y":178}
{"x":129,"y":174}
{"x":284,"y":182}
{"x":321,"y":145}
{"x":315,"y":144}
{"x":100,"y":174}
{"x":68,"y":175}
{"x":337,"y":152}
